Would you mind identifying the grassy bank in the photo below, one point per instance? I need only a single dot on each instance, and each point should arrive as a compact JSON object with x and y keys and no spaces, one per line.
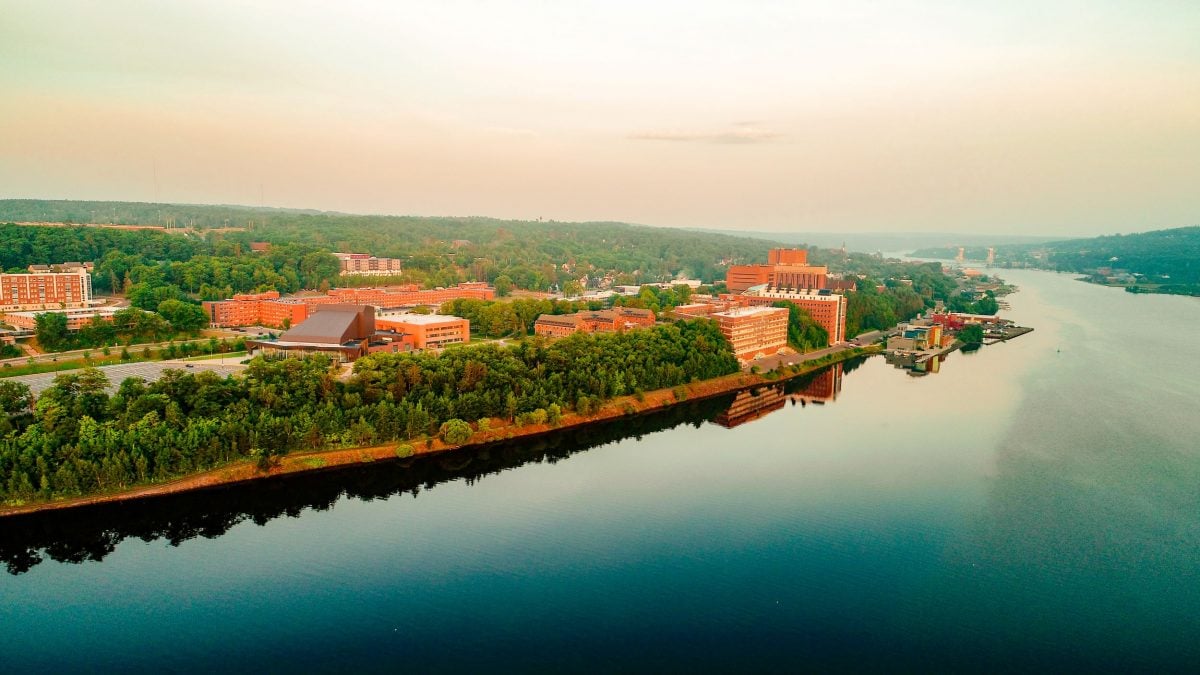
{"x":247,"y":470}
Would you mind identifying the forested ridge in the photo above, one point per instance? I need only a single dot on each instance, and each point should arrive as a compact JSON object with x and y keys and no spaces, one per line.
{"x":1163,"y":257}
{"x":530,"y":253}
{"x":76,"y":439}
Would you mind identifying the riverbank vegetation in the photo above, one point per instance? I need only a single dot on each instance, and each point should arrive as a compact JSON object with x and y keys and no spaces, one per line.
{"x":78,"y":440}
{"x":1160,"y":261}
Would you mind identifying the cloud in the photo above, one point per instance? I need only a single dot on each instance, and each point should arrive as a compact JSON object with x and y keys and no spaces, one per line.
{"x":740,"y":133}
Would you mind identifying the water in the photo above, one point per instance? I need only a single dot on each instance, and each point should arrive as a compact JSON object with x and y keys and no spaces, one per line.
{"x":1035,"y":504}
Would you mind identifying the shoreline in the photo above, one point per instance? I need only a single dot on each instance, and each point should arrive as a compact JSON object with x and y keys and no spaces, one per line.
{"x":323,"y":460}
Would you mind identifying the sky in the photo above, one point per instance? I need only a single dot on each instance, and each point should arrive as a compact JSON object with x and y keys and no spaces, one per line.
{"x":1045,"y":117}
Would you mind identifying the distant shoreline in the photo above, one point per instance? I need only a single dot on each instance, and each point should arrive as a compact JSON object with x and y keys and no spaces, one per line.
{"x":244,"y":471}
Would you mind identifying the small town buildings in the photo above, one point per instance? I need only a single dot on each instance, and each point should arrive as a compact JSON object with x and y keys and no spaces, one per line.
{"x":426,"y":331}
{"x":754,"y":331}
{"x":917,"y":338}
{"x":599,"y":321}
{"x":47,"y":287}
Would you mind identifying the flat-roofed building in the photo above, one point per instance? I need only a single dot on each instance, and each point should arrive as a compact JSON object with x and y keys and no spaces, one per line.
{"x":365,"y":264}
{"x":599,"y":321}
{"x":47,"y":287}
{"x":785,"y":268}
{"x":827,"y":308}
{"x":754,"y":331}
{"x":77,"y":318}
{"x":427,"y":331}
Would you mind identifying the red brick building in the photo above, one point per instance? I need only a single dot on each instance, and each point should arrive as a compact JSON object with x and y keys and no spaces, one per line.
{"x":785,"y":268}
{"x":270,"y":310}
{"x":47,"y":287}
{"x":828,"y":309}
{"x":601,"y":321}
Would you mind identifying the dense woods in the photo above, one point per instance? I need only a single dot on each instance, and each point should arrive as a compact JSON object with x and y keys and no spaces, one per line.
{"x":436,"y":250}
{"x":77,"y":439}
{"x":1168,"y":260}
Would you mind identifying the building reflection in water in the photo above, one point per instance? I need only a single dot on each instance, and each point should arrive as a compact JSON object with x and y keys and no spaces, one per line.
{"x":92,"y":533}
{"x":916,"y":365}
{"x":757,"y":402}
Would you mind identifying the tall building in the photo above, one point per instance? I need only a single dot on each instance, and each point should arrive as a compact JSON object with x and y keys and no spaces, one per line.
{"x":47,"y":287}
{"x":754,"y":331}
{"x":785,"y":268}
{"x":827,"y":308}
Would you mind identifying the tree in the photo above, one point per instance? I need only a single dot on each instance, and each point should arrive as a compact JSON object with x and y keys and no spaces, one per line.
{"x":51,"y":330}
{"x":971,"y":334}
{"x":503,"y":285}
{"x":183,"y":316}
{"x":804,"y":333}
{"x":455,"y":432}
{"x":15,"y":397}
{"x":572,"y":288}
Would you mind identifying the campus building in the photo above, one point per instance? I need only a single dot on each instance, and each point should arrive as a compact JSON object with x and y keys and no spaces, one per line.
{"x":600,"y":321}
{"x":785,"y":268}
{"x":827,"y":308}
{"x":426,"y":331}
{"x":47,"y":287}
{"x":754,"y":331}
{"x":365,"y":264}
{"x":77,"y":317}
{"x":343,"y":332}
{"x":270,"y":310}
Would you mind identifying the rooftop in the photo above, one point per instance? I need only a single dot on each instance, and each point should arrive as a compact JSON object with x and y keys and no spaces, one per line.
{"x":418,"y":319}
{"x":750,"y":311}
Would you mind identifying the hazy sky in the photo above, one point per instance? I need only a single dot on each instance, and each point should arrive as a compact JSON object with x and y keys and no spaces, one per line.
{"x":1024,"y":117}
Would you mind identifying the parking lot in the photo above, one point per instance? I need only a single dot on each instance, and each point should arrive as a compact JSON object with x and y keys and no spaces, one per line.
{"x":149,"y":371}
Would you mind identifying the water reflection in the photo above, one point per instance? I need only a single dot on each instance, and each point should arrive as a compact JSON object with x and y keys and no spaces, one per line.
{"x":758,"y":402}
{"x":91,"y":533}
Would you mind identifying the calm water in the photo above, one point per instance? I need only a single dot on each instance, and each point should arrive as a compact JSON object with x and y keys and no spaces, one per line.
{"x":1034,"y":504}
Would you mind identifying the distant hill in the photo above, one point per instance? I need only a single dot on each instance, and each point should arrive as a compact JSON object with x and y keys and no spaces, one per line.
{"x":890,"y":242}
{"x":533,"y":249}
{"x":1162,"y":261}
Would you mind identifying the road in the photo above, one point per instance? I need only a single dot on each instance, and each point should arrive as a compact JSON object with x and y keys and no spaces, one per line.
{"x":769,"y":363}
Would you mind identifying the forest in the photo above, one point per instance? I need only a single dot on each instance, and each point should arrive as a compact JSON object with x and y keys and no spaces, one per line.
{"x":77,"y":439}
{"x":532,"y":254}
{"x":1167,"y":260}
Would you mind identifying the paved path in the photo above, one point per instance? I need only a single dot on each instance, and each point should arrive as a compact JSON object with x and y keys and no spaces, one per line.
{"x":147,"y":370}
{"x":769,"y":363}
